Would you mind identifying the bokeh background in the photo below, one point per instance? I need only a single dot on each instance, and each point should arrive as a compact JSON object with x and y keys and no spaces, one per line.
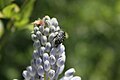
{"x":93,"y":26}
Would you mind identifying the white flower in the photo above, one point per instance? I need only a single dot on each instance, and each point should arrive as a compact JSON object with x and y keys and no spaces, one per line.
{"x":48,"y":60}
{"x":51,"y":74}
{"x":46,"y":65}
{"x":40,"y":70}
{"x":54,"y":22}
{"x":26,"y":75}
{"x":76,"y":78}
{"x":70,"y":72}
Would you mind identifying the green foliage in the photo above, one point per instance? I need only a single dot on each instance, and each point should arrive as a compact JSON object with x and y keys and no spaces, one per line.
{"x":10,"y":11}
{"x":93,"y":27}
{"x":14,"y":30}
{"x":3,"y":3}
{"x":25,"y":13}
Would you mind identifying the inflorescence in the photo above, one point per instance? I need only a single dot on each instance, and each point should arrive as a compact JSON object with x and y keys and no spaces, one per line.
{"x":48,"y":60}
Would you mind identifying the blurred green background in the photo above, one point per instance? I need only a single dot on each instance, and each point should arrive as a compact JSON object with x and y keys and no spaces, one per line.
{"x":93,"y":46}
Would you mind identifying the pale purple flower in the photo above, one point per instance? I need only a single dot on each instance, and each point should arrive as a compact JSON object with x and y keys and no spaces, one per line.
{"x":48,"y":60}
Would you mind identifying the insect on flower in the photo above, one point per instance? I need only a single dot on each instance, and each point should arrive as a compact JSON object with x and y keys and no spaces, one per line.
{"x":39,"y":22}
{"x":48,"y":60}
{"x":60,"y":37}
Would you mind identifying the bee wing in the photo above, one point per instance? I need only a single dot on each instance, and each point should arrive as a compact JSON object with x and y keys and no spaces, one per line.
{"x":66,"y":35}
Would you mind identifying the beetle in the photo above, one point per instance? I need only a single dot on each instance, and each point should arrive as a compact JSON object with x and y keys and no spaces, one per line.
{"x":59,"y":38}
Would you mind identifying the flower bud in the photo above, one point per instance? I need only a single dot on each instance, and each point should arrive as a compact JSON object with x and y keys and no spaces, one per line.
{"x":65,"y":78}
{"x":40,"y":71}
{"x":46,"y":31}
{"x":60,"y":49}
{"x":61,"y":69}
{"x":60,"y":62}
{"x":51,"y":37}
{"x":70,"y":72}
{"x":52,"y":59}
{"x":43,"y":40}
{"x":46,"y":18}
{"x":42,"y":50}
{"x":63,"y":56}
{"x":52,"y":28}
{"x":37,"y":76}
{"x":36,"y":29}
{"x":51,"y":74}
{"x":38,"y":34}
{"x":76,"y":78}
{"x":36,"y":44}
{"x":53,"y":51}
{"x":41,"y":28}
{"x":31,"y":70}
{"x":54,"y":22}
{"x":32,"y":78}
{"x":46,"y":65}
{"x":26,"y":75}
{"x":42,"y":78}
{"x":34,"y":37}
{"x":35,"y":54}
{"x":48,"y":47}
{"x":38,"y":62}
{"x":45,"y":57}
{"x":33,"y":63}
{"x":48,"y":23}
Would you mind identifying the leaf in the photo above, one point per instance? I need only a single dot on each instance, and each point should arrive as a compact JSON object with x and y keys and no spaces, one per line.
{"x":27,"y":8}
{"x":10,"y":11}
{"x":3,"y":3}
{"x":1,"y":15}
{"x":25,"y":13}
{"x":28,"y":27}
{"x":21,"y":23}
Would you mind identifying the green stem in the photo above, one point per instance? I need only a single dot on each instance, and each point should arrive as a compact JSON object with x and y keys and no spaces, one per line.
{"x":4,"y":39}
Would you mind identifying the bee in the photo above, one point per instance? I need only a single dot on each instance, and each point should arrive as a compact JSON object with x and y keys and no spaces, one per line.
{"x":60,"y":37}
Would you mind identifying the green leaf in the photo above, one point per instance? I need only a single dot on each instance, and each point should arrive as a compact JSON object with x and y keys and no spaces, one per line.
{"x":27,"y":8}
{"x":27,"y":27}
{"x":1,"y":15}
{"x":10,"y":11}
{"x":25,"y":13}
{"x":3,"y":3}
{"x":21,"y":23}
